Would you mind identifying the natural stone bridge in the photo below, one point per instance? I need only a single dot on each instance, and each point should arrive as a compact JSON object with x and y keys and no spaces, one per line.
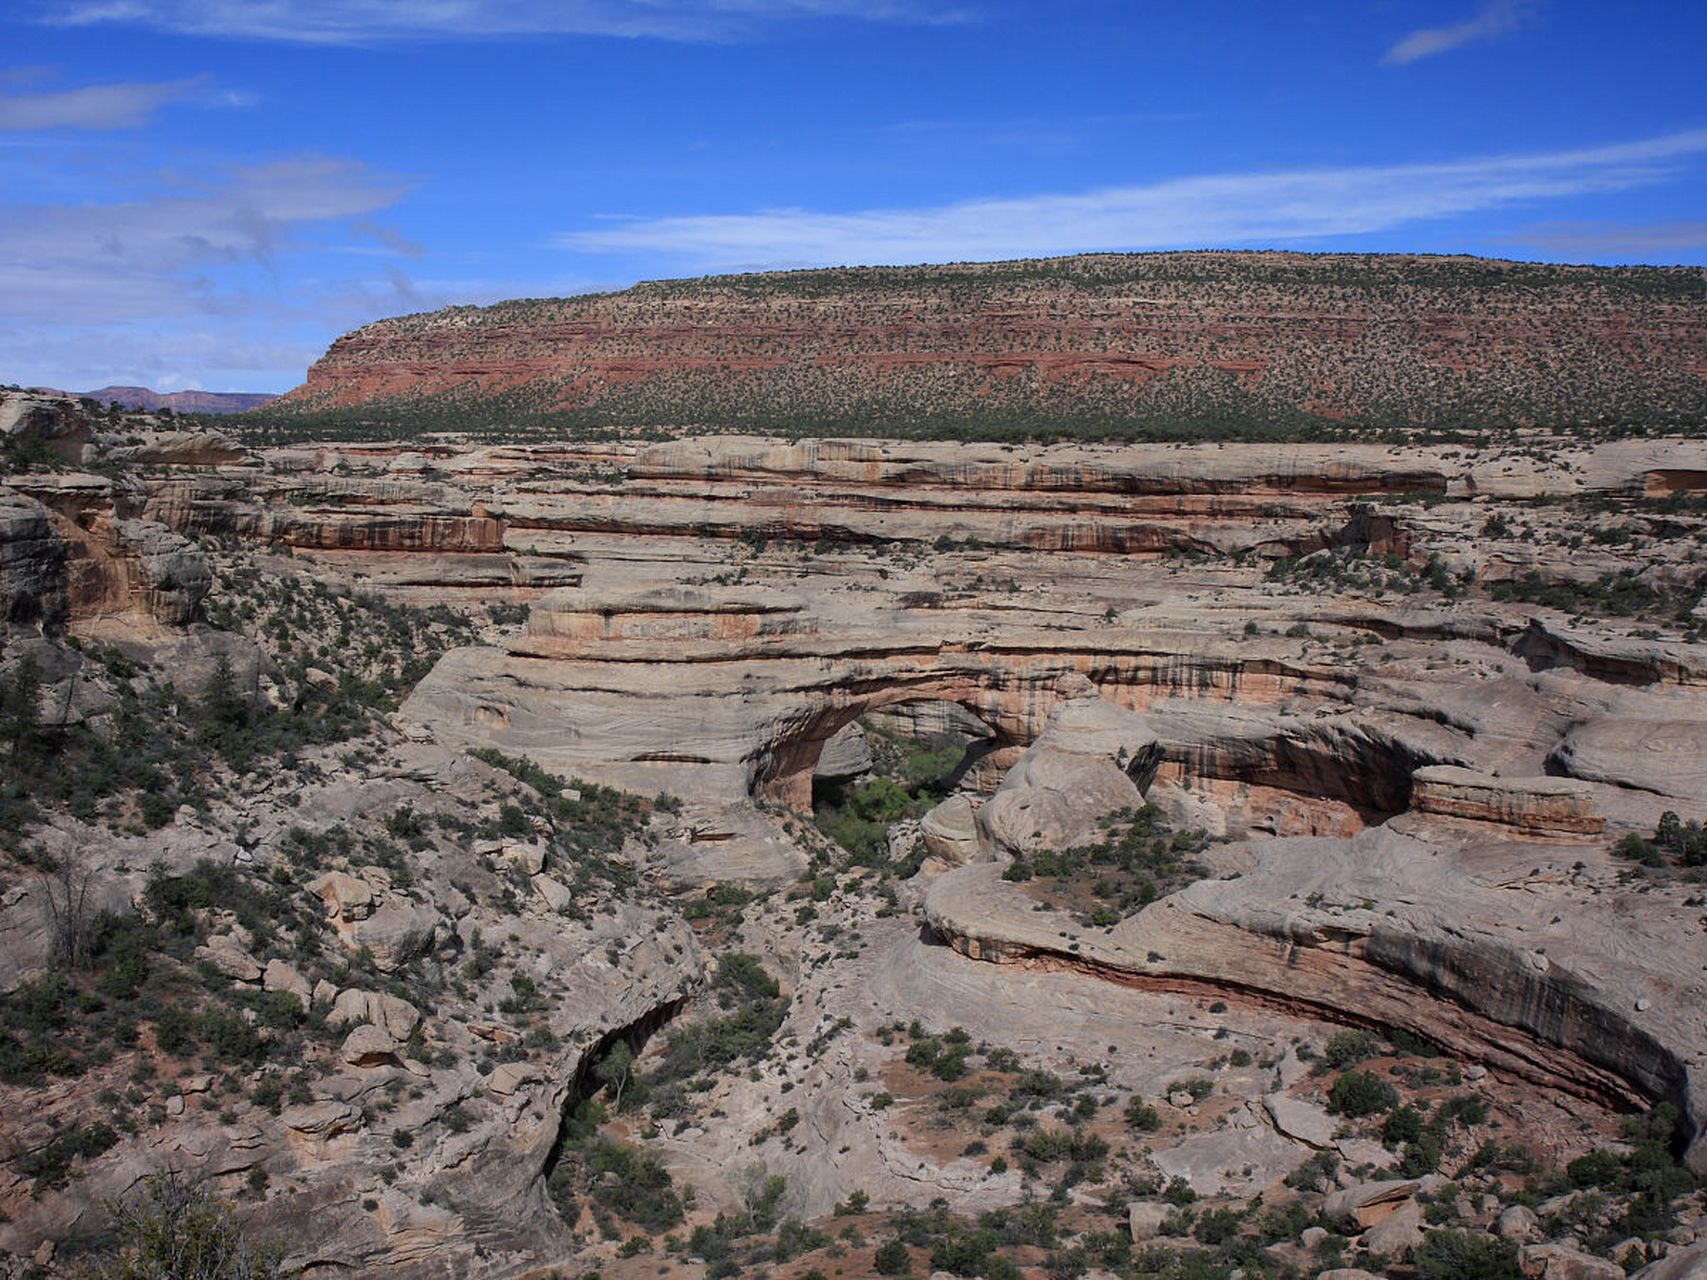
{"x":736,"y":690}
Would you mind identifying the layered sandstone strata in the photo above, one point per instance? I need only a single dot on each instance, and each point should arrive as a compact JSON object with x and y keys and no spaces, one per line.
{"x":1273,"y":338}
{"x":1530,"y":806}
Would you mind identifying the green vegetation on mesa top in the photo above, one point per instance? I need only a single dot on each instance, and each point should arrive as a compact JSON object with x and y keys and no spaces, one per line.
{"x":1168,"y":346}
{"x":1366,"y":271}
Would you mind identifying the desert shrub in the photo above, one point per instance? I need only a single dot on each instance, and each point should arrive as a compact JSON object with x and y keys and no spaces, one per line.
{"x":1465,"y":1255}
{"x":641,"y":1192}
{"x":1347,"y":1049}
{"x":1316,"y":1173}
{"x":50,"y":1164}
{"x":1140,"y":1115}
{"x":181,"y":1232}
{"x":892,"y":1259}
{"x":1361,"y":1093}
{"x":793,"y":1239}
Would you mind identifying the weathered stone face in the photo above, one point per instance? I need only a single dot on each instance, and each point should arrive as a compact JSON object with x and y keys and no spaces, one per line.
{"x":169,"y":574}
{"x":32,"y":564}
{"x":1093,"y":758}
{"x":54,"y":423}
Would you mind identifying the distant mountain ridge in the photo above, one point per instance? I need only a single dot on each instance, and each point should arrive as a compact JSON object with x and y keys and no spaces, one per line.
{"x":1262,"y":341}
{"x":144,"y":400}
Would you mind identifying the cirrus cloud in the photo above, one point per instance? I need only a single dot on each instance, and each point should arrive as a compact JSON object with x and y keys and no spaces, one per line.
{"x":1197,"y":212}
{"x":154,"y":254}
{"x":95,"y":107}
{"x":1494,"y":19}
{"x":378,"y":21}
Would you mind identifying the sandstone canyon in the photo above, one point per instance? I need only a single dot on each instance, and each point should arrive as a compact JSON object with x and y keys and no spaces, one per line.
{"x":471,"y":845}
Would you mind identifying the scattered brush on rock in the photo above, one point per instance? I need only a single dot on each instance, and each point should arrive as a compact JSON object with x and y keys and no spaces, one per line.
{"x":141,"y":973}
{"x":1675,"y":843}
{"x":1140,"y":860}
{"x":750,"y":1009}
{"x":179,"y":1231}
{"x":615,"y":1180}
{"x":152,"y":746}
{"x":1617,"y":1194}
{"x":350,"y":652}
{"x":1612,"y":595}
{"x":1355,"y":569}
{"x":589,"y":821}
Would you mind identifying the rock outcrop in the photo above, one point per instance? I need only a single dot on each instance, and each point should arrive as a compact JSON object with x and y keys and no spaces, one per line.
{"x":1092,"y":759}
{"x":1529,"y":806}
{"x":54,"y":424}
{"x":32,"y":563}
{"x":1536,"y":970}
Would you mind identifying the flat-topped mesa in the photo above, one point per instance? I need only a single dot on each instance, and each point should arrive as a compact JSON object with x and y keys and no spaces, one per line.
{"x":1548,"y":808}
{"x":1280,"y":341}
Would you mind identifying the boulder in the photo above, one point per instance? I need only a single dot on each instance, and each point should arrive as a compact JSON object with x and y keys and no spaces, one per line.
{"x":1520,"y":1223}
{"x":227,"y":955}
{"x":279,"y":976}
{"x":1680,"y":1264}
{"x":556,"y":894}
{"x":1360,"y":1206}
{"x":346,"y":897}
{"x":368,"y":1046}
{"x":1092,"y":759}
{"x":529,"y":855}
{"x":1302,"y":1120}
{"x":507,"y":1077}
{"x":396,"y":1017}
{"x":950,"y":831}
{"x":1561,"y":1262}
{"x":349,"y":1009}
{"x":1398,"y":1233}
{"x":1145,"y":1219}
{"x":396,"y":933}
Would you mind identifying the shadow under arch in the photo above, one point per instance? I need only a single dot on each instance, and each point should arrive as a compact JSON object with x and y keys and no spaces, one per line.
{"x":785,"y":769}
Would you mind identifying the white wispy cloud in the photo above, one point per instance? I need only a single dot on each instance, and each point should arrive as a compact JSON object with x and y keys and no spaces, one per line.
{"x":152,"y":255}
{"x":146,"y":354}
{"x":1613,"y":239}
{"x":1215,"y":210}
{"x":99,"y":106}
{"x":374,"y":21}
{"x":1493,"y":19}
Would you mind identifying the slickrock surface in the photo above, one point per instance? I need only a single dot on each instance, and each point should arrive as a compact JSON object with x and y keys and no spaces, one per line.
{"x":1289,"y":742}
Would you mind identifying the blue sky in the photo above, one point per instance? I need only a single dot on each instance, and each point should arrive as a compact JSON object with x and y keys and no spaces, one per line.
{"x":203,"y":193}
